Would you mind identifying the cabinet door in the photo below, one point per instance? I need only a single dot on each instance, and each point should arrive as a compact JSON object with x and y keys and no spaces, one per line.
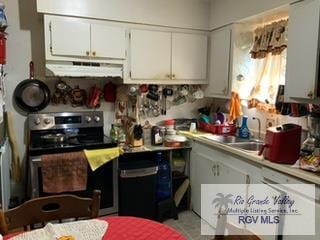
{"x":108,"y":41}
{"x":230,"y":175}
{"x":189,"y":56}
{"x":302,"y":55}
{"x":220,"y":42}
{"x":150,"y":54}
{"x":70,"y":38}
{"x":202,"y":172}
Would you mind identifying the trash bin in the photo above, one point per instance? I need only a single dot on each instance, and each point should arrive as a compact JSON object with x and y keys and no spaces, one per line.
{"x":137,"y":189}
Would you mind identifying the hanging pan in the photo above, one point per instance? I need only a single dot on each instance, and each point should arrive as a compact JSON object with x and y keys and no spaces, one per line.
{"x":32,"y":95}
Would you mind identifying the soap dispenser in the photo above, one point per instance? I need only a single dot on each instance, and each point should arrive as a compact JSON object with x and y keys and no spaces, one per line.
{"x":244,"y":130}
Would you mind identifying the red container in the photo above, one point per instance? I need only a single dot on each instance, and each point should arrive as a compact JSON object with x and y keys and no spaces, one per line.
{"x":282,"y":144}
{"x":224,"y":129}
{"x":220,"y":129}
{"x":3,"y":40}
{"x":169,"y":123}
{"x":204,"y":127}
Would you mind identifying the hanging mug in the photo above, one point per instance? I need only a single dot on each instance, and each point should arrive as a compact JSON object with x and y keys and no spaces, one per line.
{"x":198,"y":94}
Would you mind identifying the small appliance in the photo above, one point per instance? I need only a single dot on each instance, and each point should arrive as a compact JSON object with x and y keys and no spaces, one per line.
{"x":282,"y":143}
{"x":313,"y":139}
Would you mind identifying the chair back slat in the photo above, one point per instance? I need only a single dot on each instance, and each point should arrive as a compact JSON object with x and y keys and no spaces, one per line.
{"x":47,"y":209}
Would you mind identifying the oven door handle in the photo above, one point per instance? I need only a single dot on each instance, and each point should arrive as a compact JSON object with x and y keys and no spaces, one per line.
{"x":141,"y":172}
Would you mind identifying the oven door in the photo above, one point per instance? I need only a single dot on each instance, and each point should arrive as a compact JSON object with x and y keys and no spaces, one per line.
{"x":104,"y":178}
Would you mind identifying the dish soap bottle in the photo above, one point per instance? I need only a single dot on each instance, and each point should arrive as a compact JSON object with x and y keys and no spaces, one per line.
{"x":244,"y":130}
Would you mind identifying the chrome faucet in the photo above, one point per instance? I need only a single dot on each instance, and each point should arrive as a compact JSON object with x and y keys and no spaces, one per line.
{"x":259,"y":125}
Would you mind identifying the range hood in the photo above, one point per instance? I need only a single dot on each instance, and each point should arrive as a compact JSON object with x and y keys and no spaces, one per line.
{"x":83,"y":69}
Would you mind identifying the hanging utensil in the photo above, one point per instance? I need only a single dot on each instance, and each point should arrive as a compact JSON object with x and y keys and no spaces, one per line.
{"x":153,"y":96}
{"x":167,"y":92}
{"x":32,"y":95}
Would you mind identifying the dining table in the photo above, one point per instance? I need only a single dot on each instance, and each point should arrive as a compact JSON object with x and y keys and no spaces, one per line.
{"x":132,"y":228}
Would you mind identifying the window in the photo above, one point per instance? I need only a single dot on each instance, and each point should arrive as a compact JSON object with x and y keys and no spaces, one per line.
{"x":260,"y":62}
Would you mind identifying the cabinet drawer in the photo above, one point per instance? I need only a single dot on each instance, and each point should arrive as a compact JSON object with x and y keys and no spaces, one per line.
{"x":278,"y":177}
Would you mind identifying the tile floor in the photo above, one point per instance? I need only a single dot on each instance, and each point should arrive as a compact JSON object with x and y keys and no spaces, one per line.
{"x":188,"y":225}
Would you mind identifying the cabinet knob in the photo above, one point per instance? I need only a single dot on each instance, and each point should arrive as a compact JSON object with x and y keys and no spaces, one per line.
{"x":310,"y":94}
{"x":167,"y":75}
{"x":173,"y":76}
{"x":87,"y":53}
{"x":94,"y":53}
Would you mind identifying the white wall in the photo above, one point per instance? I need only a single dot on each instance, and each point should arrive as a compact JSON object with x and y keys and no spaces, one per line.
{"x":223,"y":12}
{"x":25,"y":42}
{"x":175,"y":13}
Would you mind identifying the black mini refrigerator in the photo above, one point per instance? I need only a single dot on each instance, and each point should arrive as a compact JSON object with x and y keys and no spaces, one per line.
{"x":137,"y":188}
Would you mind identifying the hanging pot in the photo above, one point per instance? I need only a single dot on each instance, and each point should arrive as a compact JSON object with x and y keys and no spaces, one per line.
{"x":32,"y":95}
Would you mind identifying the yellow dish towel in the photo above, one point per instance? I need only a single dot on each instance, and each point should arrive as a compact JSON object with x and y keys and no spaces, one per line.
{"x":97,"y":158}
{"x":235,"y":107}
{"x":193,"y":135}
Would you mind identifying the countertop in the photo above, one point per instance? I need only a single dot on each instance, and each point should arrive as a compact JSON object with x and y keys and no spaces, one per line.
{"x":150,"y":148}
{"x":253,"y":157}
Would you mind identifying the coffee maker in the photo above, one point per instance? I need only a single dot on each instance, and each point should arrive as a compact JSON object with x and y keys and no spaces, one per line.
{"x":313,"y":139}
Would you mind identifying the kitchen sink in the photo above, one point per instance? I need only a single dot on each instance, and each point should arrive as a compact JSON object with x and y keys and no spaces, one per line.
{"x":253,"y":146}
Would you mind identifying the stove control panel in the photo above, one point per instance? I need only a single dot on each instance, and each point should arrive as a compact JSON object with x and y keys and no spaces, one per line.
{"x":96,"y":118}
{"x":42,"y":121}
{"x":47,"y":121}
{"x":88,"y":119}
{"x":37,"y":121}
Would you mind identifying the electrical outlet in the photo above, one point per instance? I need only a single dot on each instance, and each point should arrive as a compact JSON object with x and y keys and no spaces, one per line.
{"x":271,"y":121}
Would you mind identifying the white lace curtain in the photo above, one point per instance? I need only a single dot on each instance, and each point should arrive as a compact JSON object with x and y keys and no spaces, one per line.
{"x":269,"y":60}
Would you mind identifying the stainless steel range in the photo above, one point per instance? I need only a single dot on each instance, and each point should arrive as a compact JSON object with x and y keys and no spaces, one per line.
{"x":51,"y":133}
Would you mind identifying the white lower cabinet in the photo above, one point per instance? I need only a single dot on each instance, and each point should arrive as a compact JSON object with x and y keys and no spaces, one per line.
{"x":209,"y":166}
{"x":202,"y":172}
{"x":212,"y":166}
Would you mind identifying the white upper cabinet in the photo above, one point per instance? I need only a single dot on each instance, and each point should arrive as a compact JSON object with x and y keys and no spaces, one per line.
{"x":175,"y":57}
{"x":74,"y":38}
{"x":108,"y":41}
{"x":70,"y":38}
{"x":150,"y":54}
{"x":189,"y":56}
{"x":220,"y":67}
{"x":303,"y":50}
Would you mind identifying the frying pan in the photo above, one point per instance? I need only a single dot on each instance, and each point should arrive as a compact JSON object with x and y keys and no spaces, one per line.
{"x":32,"y":95}
{"x":54,"y":138}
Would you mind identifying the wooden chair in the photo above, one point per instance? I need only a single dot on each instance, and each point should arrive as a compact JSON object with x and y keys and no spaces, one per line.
{"x":46,"y":209}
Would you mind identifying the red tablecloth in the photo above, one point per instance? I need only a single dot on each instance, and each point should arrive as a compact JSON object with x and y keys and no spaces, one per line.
{"x":131,"y":228}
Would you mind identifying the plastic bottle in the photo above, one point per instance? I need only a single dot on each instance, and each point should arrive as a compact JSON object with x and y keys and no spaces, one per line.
{"x":113,"y":134}
{"x":121,"y":136}
{"x":3,"y":18}
{"x":163,"y":178}
{"x":244,"y":130}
